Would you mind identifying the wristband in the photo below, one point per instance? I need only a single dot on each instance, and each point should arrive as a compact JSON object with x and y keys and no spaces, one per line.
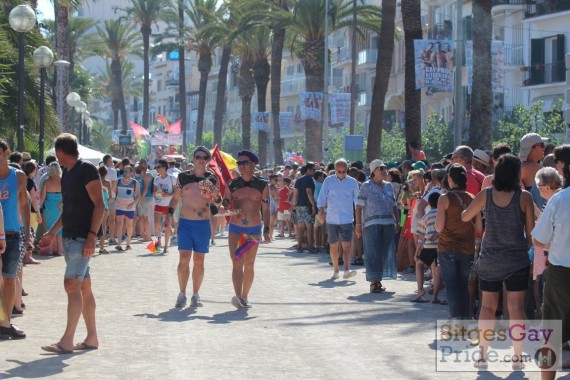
{"x":171,"y":210}
{"x":92,"y":232}
{"x":3,"y":237}
{"x":265,"y":230}
{"x":420,"y":241}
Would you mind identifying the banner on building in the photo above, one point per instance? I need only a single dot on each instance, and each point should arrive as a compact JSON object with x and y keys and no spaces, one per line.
{"x":497,"y":65}
{"x":340,"y":107}
{"x":166,"y":139}
{"x":311,"y":105}
{"x":435,"y":62}
{"x":286,"y":124}
{"x":260,"y":121}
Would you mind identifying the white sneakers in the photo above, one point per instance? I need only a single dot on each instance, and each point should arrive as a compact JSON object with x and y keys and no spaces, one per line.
{"x":347,"y":274}
{"x":335,"y":276}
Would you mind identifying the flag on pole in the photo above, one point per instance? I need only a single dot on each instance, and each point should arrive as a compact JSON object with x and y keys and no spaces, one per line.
{"x":162,"y":120}
{"x":245,"y":242}
{"x":175,"y":128}
{"x":219,"y":167}
{"x":138,"y":130}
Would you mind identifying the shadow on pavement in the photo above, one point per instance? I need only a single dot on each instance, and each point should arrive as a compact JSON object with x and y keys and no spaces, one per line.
{"x":48,"y":365}
{"x":371,"y":297}
{"x":230,"y":316}
{"x":172,"y":315}
{"x":328,"y":284}
{"x":188,"y":314}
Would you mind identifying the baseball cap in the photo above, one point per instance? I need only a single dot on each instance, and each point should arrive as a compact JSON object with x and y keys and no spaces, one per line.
{"x":375,"y":164}
{"x":201,"y":148}
{"x":419,"y":165}
{"x":527,"y":142}
{"x":482,"y":157}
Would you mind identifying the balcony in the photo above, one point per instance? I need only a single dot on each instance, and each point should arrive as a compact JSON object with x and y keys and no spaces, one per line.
{"x":367,"y":59}
{"x":537,"y":8}
{"x":292,"y":86}
{"x":441,"y":31}
{"x":544,"y":73}
{"x":364,"y":99}
{"x":501,"y":5}
{"x":171,"y":82}
{"x":340,"y":55}
{"x":513,"y":55}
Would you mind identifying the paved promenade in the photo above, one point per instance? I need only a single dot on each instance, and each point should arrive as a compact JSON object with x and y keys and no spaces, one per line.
{"x":301,"y":326}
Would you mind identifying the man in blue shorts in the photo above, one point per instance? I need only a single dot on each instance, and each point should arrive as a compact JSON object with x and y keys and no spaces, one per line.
{"x":80,"y":219}
{"x":14,"y":200}
{"x":197,"y":189}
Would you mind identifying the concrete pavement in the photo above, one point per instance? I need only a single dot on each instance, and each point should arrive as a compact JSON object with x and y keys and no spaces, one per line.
{"x":302,"y":325}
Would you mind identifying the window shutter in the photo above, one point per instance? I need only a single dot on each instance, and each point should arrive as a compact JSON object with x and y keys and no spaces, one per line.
{"x":537,"y":61}
{"x":560,"y":70}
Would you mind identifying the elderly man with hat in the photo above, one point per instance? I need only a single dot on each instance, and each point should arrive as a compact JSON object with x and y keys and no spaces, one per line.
{"x":377,"y":219}
{"x":481,"y":161}
{"x":249,"y":194}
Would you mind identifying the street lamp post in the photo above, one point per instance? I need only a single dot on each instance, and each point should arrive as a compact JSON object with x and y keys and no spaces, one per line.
{"x":86,"y":116}
{"x":22,"y":19}
{"x":89,"y":124}
{"x":43,"y":58}
{"x":61,"y":70}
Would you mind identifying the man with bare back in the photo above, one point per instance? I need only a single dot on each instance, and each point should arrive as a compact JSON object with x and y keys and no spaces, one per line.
{"x":248,"y":194}
{"x":196,"y":188}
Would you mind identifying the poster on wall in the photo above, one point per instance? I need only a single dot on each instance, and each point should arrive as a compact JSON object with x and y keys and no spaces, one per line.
{"x":340,"y":107}
{"x":435,"y":62}
{"x":311,"y":105}
{"x":497,"y":65}
{"x":286,"y":124}
{"x":260,"y":121}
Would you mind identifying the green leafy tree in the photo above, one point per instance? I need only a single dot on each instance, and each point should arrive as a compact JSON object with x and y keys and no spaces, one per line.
{"x":437,"y":138}
{"x":393,"y":145}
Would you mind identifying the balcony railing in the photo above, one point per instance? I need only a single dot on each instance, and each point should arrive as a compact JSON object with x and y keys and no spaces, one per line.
{"x":368,"y":56}
{"x":513,"y":55}
{"x":545,"y":73}
{"x":364,"y":99}
{"x":537,"y":8}
{"x":509,"y":2}
{"x":293,"y":86}
{"x":340,"y":55}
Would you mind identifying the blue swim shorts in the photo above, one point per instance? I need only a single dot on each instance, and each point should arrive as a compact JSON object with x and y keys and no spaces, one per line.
{"x":194,"y":235}
{"x":76,"y":265}
{"x":253,"y":230}
{"x":128,"y":214}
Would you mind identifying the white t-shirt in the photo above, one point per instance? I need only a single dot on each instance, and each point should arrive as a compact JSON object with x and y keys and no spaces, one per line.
{"x":552,"y":227}
{"x":164,"y":185}
{"x":111,"y":174}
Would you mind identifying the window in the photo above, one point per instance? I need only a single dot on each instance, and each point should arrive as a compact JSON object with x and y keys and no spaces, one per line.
{"x":159,"y":85}
{"x":547,"y":60}
{"x":290,"y":70}
{"x":299,"y":68}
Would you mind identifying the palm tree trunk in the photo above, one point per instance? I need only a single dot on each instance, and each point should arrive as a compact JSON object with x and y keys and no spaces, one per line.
{"x":482,"y":95}
{"x":261,"y":70}
{"x":383,"y":68}
{"x":246,"y":85}
{"x":63,"y":73}
{"x":275,"y":77}
{"x":118,"y":88}
{"x":182,"y":75}
{"x":221,"y":95}
{"x":204,"y":66}
{"x":411,"y":17}
{"x":146,"y":72}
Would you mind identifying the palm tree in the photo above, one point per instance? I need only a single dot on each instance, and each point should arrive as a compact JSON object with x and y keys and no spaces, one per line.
{"x":61,"y":8}
{"x":411,"y":18}
{"x":261,"y":44}
{"x":383,"y":67}
{"x":146,"y":13}
{"x":482,"y":95}
{"x":275,"y":77}
{"x":115,"y":41}
{"x":246,"y":85}
{"x":306,"y":24}
{"x":101,"y":137}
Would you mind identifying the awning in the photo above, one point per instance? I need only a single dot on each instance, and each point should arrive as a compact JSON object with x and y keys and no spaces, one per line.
{"x":394,"y":102}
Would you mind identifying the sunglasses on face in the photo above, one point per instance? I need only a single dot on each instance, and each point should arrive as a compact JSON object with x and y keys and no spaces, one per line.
{"x":243,"y":163}
{"x":341,"y":172}
{"x":201,"y":157}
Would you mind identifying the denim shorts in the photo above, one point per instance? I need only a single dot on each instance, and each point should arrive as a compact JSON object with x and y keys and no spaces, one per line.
{"x":339,"y":232}
{"x":76,"y":265}
{"x":11,"y":257}
{"x":516,"y":282}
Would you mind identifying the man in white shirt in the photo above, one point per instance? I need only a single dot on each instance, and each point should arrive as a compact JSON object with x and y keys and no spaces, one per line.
{"x":111,"y":177}
{"x":339,"y":193}
{"x":164,"y":186}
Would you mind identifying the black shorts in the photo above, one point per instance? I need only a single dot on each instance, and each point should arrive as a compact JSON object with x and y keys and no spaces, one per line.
{"x":428,"y":256}
{"x":516,"y":282}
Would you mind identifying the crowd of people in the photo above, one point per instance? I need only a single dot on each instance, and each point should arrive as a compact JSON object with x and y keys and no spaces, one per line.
{"x":484,"y":226}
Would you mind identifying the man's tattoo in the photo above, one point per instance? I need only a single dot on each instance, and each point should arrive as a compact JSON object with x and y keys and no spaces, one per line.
{"x":200,"y":213}
{"x":244,"y":221}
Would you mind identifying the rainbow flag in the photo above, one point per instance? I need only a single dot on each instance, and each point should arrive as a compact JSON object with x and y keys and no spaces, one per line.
{"x":245,"y":242}
{"x":154,"y":246}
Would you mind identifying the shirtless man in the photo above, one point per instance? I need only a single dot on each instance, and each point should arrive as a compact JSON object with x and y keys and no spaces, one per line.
{"x":197,"y":190}
{"x":249,"y":194}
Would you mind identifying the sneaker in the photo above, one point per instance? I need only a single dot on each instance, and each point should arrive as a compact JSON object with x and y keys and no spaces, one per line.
{"x":180,"y":301}
{"x":348,"y":274}
{"x":173,"y":240}
{"x":195,"y":301}
{"x":246,"y":305}
{"x":236,"y":301}
{"x":335,"y":276}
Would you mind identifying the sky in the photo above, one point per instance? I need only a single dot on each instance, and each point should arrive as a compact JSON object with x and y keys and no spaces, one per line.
{"x":45,"y":8}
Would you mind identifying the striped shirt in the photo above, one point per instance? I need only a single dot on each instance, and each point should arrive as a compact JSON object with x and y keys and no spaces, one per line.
{"x":426,"y":229}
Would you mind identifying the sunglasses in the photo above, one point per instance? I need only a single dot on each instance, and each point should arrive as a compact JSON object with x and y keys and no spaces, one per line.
{"x":243,"y":163}
{"x":341,"y":172}
{"x":201,"y":157}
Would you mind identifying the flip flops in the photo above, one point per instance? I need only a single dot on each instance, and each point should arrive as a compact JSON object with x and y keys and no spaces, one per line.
{"x":419,"y":300}
{"x":84,"y":347}
{"x":57,"y":349}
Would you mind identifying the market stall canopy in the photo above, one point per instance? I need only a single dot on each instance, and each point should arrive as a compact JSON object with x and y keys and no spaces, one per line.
{"x":87,"y":154}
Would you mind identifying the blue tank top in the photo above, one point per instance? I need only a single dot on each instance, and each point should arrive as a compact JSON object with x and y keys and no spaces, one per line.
{"x":9,"y":200}
{"x":150,"y":187}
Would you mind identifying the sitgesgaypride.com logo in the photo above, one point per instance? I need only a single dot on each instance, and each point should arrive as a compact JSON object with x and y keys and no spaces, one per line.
{"x":498,"y":345}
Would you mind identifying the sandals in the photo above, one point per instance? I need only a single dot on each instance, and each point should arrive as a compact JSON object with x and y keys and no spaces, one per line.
{"x":57,"y":349}
{"x":481,"y":364}
{"x":419,"y":300}
{"x":103,"y":251}
{"x":9,"y":333}
{"x":376,"y":287}
{"x":84,"y":347}
{"x":119,"y":248}
{"x":128,"y":247}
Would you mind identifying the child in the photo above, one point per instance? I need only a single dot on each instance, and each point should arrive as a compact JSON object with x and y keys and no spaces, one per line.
{"x":284,"y":208}
{"x":426,"y":251}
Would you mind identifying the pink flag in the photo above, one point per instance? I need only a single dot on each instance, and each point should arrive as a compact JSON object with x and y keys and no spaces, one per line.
{"x":138,"y":130}
{"x":175,"y":128}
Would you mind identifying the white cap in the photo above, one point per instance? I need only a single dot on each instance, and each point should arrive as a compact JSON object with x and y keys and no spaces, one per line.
{"x":375,"y":164}
{"x":481,"y":157}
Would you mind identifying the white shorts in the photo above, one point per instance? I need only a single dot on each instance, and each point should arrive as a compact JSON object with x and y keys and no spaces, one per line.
{"x":285,"y":215}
